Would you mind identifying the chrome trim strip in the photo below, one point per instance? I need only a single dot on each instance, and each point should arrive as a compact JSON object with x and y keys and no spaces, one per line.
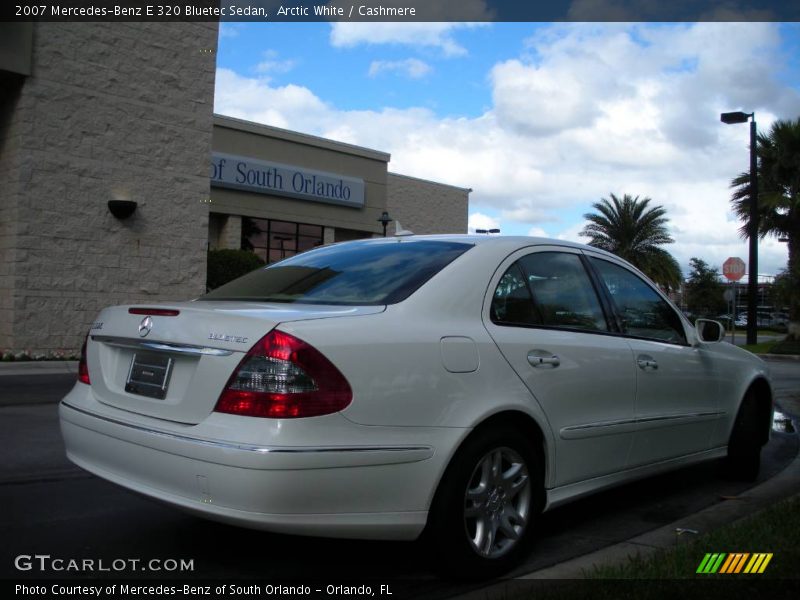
{"x":641,"y":420}
{"x":249,"y":447}
{"x":161,"y":346}
{"x":598,"y":425}
{"x":606,"y":427}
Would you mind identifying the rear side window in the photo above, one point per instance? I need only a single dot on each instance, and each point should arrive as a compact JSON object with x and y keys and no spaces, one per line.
{"x":512,"y":303}
{"x":550,"y":289}
{"x":641,"y":311}
{"x":362,"y":273}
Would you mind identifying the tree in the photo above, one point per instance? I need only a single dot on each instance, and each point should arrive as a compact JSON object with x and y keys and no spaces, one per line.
{"x":225,"y":265}
{"x":778,"y":153}
{"x":704,"y":291}
{"x":782,"y":290}
{"x":633,"y":230}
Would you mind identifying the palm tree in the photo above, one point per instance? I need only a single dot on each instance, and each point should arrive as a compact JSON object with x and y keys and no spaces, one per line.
{"x":778,"y":153}
{"x":633,"y":230}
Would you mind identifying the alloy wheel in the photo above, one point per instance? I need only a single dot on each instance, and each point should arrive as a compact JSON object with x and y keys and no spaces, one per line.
{"x":497,"y":502}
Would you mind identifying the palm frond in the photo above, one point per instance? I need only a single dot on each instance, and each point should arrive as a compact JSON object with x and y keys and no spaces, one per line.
{"x":632,"y":229}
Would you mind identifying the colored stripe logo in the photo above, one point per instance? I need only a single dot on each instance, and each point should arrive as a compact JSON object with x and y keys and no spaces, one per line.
{"x":734,"y":563}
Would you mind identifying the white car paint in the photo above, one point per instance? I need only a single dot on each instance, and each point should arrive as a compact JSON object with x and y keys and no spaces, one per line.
{"x":424,"y":373}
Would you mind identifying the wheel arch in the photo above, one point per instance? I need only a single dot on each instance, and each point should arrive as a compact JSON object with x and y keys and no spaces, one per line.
{"x":517,"y":419}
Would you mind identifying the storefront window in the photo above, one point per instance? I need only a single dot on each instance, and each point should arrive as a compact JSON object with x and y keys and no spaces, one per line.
{"x":275,"y":240}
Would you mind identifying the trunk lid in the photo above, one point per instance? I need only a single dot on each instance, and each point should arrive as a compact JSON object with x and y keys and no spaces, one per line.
{"x":174,"y":367}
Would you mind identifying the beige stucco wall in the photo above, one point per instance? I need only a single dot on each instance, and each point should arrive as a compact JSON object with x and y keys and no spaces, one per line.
{"x":110,"y":111}
{"x":426,"y":207}
{"x":10,"y":135}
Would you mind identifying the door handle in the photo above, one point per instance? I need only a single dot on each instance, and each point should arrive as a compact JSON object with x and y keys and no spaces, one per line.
{"x":538,"y":358}
{"x":647,"y":362}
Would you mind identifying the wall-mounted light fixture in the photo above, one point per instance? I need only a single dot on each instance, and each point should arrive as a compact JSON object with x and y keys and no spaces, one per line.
{"x":122,"y":209}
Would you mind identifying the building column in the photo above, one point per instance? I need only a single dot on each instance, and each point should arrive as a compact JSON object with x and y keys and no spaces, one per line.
{"x":230,"y":234}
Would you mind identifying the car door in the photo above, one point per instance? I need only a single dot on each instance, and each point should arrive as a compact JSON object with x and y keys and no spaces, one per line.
{"x":548,"y":321}
{"x":676,"y":384}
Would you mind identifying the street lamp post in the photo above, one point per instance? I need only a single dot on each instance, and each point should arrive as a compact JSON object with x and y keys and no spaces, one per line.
{"x":384,"y":220}
{"x":282,"y":239}
{"x":730,"y":118}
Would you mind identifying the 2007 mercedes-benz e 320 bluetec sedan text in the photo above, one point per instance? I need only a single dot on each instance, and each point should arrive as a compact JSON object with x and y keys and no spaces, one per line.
{"x":375,"y":389}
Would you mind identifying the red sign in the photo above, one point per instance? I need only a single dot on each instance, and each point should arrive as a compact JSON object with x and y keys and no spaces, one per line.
{"x":733,"y":268}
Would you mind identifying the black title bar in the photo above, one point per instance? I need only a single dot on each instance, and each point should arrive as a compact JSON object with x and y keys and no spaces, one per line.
{"x":401,"y":10}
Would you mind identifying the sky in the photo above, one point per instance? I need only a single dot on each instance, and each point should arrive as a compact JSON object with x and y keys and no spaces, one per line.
{"x":540,"y":120}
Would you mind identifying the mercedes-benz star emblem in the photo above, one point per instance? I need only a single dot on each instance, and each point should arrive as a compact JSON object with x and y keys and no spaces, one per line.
{"x":145,"y":326}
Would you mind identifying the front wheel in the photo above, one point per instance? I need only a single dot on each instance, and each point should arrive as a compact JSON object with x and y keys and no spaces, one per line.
{"x":483,"y":512}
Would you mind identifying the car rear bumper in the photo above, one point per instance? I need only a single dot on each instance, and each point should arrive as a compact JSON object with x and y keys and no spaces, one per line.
{"x":364,"y":490}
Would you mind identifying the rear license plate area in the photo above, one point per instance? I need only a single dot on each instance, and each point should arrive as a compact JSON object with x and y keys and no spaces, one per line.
{"x":149,"y":375}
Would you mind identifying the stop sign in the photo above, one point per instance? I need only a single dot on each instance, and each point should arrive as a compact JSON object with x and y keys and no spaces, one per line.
{"x":733,"y":268}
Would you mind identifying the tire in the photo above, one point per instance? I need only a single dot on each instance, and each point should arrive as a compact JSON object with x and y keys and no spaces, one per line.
{"x":743,"y":462}
{"x":481,"y":520}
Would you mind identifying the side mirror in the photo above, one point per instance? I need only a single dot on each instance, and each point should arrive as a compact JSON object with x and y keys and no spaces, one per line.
{"x":709,"y":331}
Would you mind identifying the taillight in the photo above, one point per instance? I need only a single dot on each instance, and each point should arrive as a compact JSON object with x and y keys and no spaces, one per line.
{"x":283,"y":377}
{"x":83,"y":367}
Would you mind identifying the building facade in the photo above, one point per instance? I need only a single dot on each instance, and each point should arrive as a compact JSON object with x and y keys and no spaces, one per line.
{"x":98,"y":112}
{"x":279,"y":192}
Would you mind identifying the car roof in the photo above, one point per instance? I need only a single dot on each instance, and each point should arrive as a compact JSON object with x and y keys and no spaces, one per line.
{"x":499,"y":242}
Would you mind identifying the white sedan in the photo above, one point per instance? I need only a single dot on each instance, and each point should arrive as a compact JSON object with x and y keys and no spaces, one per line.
{"x":452,"y":385}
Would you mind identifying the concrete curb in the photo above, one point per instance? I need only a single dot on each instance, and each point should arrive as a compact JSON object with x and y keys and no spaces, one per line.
{"x":39,"y":367}
{"x":779,"y":356}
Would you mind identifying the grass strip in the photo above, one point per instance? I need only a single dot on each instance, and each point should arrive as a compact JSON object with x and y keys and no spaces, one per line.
{"x":775,"y":530}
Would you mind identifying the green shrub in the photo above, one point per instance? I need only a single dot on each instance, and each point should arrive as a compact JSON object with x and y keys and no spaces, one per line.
{"x":226,"y":265}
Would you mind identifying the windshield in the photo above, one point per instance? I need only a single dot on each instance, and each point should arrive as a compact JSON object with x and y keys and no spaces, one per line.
{"x":360,"y":273}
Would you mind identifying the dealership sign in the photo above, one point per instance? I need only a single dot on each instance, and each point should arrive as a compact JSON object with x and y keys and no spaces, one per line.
{"x":251,"y":175}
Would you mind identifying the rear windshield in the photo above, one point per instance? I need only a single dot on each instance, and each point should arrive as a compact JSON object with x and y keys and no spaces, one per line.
{"x":362,"y":273}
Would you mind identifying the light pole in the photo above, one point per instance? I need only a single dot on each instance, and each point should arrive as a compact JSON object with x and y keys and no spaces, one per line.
{"x":384,"y":220}
{"x":282,"y":239}
{"x":730,"y":118}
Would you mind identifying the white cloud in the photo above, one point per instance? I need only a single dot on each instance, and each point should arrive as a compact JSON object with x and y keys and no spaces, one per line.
{"x":584,"y":110}
{"x":527,"y":210}
{"x":418,"y":35}
{"x":480,"y":221}
{"x":573,"y":234}
{"x":411,"y":67}
{"x":255,"y":100}
{"x":228,"y":30}
{"x":273,"y":64}
{"x":540,"y":100}
{"x":538,"y":232}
